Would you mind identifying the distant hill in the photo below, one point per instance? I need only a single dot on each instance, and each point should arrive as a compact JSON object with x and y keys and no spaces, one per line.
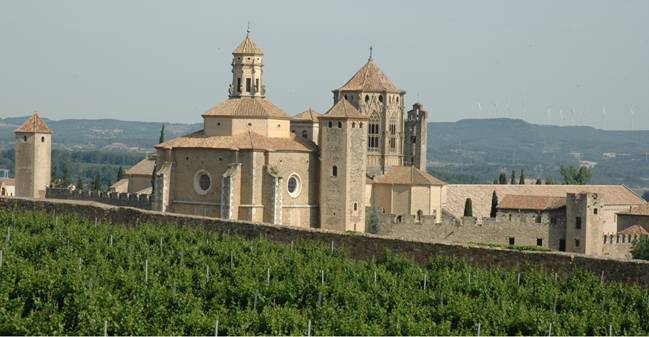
{"x":471,"y":150}
{"x":99,"y":133}
{"x":475,"y":150}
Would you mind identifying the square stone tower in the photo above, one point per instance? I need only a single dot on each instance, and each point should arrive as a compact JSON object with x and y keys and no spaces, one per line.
{"x":343,"y":169}
{"x":415,"y":141}
{"x":584,"y":223}
{"x":33,"y":158}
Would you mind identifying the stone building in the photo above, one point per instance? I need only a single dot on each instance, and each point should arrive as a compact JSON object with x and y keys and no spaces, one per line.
{"x":33,"y":157}
{"x":7,"y":187}
{"x":137,"y":179}
{"x":251,"y":161}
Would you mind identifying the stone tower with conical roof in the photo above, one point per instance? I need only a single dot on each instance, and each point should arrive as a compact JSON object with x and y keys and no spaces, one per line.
{"x":343,"y":138}
{"x":247,"y":70}
{"x":376,"y":97}
{"x":33,"y":158}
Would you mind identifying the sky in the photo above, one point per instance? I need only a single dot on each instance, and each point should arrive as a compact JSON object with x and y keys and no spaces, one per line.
{"x":563,"y":62}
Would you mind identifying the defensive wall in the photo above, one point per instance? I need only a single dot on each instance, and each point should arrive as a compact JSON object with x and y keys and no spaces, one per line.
{"x":358,"y":246}
{"x":523,"y":230}
{"x":143,"y":201}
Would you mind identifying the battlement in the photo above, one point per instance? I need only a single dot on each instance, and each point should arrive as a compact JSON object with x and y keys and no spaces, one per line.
{"x":619,"y":238}
{"x":142,"y":201}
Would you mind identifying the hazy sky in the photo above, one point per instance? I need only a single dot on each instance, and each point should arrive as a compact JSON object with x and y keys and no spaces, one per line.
{"x":559,"y":62}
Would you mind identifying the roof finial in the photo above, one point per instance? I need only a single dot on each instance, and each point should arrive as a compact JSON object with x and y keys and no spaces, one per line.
{"x":370,"y":58}
{"x":248,"y":29}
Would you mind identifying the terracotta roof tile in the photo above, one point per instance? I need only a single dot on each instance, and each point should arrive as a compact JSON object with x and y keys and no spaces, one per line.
{"x":247,"y":107}
{"x":634,"y":230}
{"x":407,"y":175}
{"x":343,"y":109}
{"x":243,"y":141}
{"x":531,"y":202}
{"x":370,"y":78}
{"x":143,"y":168}
{"x":309,"y":115}
{"x":34,"y":124}
{"x":248,"y":46}
{"x":638,"y":210}
{"x":481,"y":195}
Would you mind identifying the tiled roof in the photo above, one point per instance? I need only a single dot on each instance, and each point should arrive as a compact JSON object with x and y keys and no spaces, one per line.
{"x":309,"y":115}
{"x":119,"y":183}
{"x":248,"y":46}
{"x":143,"y":168}
{"x":531,"y":202}
{"x":638,"y":210}
{"x":407,"y":175}
{"x":634,"y":230}
{"x":34,"y":124}
{"x":243,"y":141}
{"x":343,"y":109}
{"x":250,"y":107}
{"x":481,"y":195}
{"x":370,"y":78}
{"x":7,"y":181}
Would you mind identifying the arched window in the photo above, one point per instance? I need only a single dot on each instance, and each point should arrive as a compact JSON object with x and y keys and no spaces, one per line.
{"x":305,"y":134}
{"x":393,"y":133}
{"x":373,"y":133}
{"x":42,"y":139}
{"x":353,"y":125}
{"x":334,"y":171}
{"x":330,"y":124}
{"x":381,"y":98}
{"x":355,"y":206}
{"x":367,"y":98}
{"x":419,"y":214}
{"x":340,"y":125}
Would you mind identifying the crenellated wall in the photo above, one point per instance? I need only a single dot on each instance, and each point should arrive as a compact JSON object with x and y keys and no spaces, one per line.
{"x":358,"y":246}
{"x":142,"y":201}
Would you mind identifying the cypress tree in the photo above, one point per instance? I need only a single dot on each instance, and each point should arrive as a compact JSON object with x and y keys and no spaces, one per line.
{"x":65,"y":180}
{"x":494,"y":205}
{"x":502,"y":178}
{"x":513,"y":181}
{"x":468,"y":208}
{"x":79,"y":183}
{"x":120,"y":173}
{"x":539,"y":182}
{"x":96,"y":184}
{"x":522,"y":178}
{"x":162,"y":134}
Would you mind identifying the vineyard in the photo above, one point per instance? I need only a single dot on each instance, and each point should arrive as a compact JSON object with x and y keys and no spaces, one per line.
{"x":64,"y":275}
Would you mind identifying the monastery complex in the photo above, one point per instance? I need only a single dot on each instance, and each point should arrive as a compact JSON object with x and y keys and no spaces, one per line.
{"x":360,"y":166}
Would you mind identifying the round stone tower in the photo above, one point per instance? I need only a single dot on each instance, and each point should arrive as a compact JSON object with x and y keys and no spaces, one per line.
{"x":33,"y":158}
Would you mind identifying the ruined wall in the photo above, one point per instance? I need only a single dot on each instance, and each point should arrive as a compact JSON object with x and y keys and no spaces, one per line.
{"x":143,"y":201}
{"x":358,"y":246}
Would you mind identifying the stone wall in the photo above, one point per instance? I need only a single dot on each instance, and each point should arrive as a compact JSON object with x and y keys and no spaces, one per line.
{"x":111,"y":198}
{"x":359,"y":246}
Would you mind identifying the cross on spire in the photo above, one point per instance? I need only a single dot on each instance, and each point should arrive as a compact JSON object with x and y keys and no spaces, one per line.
{"x":248,"y":29}
{"x":371,"y":48}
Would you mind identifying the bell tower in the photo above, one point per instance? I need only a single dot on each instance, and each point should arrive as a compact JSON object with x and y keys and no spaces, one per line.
{"x":247,"y":70}
{"x":33,"y":158}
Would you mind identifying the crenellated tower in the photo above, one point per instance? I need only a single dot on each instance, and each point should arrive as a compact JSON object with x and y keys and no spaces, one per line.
{"x":342,"y":168}
{"x":415,"y":140}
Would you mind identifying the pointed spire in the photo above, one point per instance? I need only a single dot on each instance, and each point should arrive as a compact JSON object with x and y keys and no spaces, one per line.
{"x":371,"y":48}
{"x":248,"y":30}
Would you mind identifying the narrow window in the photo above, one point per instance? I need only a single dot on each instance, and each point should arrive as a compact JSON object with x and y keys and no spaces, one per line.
{"x":340,"y":125}
{"x":562,"y":245}
{"x":248,"y":85}
{"x":393,"y":133}
{"x":594,"y":210}
{"x":553,"y":221}
{"x":576,"y":242}
{"x":43,"y":141}
{"x":330,"y":124}
{"x":239,"y":84}
{"x":256,"y":85}
{"x":381,"y":98}
{"x":355,"y":206}
{"x":539,"y":242}
{"x":353,"y":125}
{"x":538,"y":218}
{"x":512,"y":241}
{"x":24,"y":138}
{"x":414,"y":139}
{"x":334,"y":171}
{"x":305,"y":134}
{"x":373,"y":133}
{"x":578,"y":222}
{"x":367,"y":98}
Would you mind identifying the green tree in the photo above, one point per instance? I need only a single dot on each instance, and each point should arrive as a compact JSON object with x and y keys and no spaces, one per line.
{"x":96,"y":184}
{"x":539,"y":182}
{"x":573,"y":176}
{"x":495,"y":181}
{"x":513,"y":181}
{"x":79,"y":183}
{"x":162,"y":134}
{"x":494,"y":205}
{"x":502,"y":178}
{"x":640,"y":248}
{"x":373,"y":226}
{"x":522,"y":178}
{"x":550,"y":181}
{"x":468,"y":208}
{"x":65,"y":179}
{"x":120,"y":173}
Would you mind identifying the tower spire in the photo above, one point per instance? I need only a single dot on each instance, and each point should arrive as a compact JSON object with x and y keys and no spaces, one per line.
{"x":248,"y":29}
{"x":370,"y":58}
